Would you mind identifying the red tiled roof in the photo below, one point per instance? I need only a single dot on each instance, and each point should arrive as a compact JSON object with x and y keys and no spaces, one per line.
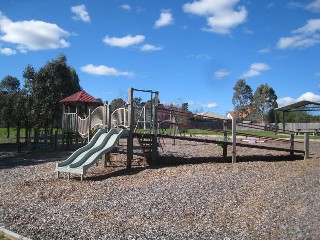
{"x":82,"y":97}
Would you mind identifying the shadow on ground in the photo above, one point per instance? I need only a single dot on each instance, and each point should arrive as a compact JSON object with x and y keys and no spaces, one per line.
{"x":171,"y":161}
{"x":11,"y":158}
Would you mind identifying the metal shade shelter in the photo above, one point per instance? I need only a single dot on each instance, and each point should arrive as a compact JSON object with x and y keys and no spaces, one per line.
{"x":302,"y":106}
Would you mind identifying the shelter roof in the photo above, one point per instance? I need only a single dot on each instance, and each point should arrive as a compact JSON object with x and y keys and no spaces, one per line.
{"x":300,"y":106}
{"x":80,"y":97}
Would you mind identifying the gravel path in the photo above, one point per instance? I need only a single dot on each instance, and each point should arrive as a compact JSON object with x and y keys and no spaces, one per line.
{"x":264,"y":196}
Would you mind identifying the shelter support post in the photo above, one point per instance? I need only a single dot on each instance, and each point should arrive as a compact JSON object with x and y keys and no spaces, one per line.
{"x":131,"y":125}
{"x":276,"y":120}
{"x":234,"y":140}
{"x":306,"y":146}
{"x":283,"y":123}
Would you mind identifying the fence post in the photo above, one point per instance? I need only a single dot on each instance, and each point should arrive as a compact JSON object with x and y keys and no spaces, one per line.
{"x":306,"y":146}
{"x":234,"y":140}
{"x":291,"y":144}
{"x":225,"y":139}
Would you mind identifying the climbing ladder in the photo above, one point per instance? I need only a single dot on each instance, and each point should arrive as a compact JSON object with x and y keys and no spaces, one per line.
{"x":145,"y":142}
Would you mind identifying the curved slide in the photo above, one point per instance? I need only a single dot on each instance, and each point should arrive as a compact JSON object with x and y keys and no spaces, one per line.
{"x":83,"y":158}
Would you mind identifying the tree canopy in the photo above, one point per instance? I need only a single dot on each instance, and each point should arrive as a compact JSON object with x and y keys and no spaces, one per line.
{"x":264,"y":99}
{"x":242,"y":98}
{"x":53,"y":82}
{"x":37,"y":103}
{"x":9,"y":88}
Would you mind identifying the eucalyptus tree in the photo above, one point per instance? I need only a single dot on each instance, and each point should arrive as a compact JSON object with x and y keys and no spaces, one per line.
{"x":117,"y":103}
{"x":242,"y":98}
{"x":9,"y":88}
{"x":264,"y":100}
{"x":53,"y":82}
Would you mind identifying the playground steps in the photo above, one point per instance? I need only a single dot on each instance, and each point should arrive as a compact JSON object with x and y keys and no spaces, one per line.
{"x":146,"y":145}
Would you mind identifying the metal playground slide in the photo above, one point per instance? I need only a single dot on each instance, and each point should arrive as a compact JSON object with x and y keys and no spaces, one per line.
{"x":82,"y":159}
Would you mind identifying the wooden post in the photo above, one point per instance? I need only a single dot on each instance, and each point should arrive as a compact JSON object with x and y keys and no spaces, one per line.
{"x":89,"y":125}
{"x":234,"y":140}
{"x":154,"y":152}
{"x":131,"y":125}
{"x":225,"y":139}
{"x":106,"y":159}
{"x":144,"y":119}
{"x":109,"y":117}
{"x":77,"y":127}
{"x":106,"y":119}
{"x":306,"y":146}
{"x":104,"y":115}
{"x":174,"y":130}
{"x":291,"y":144}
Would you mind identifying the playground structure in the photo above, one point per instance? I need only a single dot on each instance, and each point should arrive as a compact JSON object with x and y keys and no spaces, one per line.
{"x":146,"y":123}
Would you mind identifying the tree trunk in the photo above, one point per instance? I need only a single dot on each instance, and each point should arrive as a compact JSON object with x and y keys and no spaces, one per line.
{"x":18,"y":138}
{"x":8,"y":130}
{"x":26,"y":140}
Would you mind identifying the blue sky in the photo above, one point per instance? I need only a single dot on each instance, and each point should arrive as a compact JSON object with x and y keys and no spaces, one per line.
{"x":189,"y":50}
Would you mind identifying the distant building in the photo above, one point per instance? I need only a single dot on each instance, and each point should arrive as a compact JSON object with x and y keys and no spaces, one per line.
{"x":211,"y":115}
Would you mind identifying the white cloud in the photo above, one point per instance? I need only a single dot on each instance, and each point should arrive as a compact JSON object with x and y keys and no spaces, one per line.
{"x":165,"y":19}
{"x":124,"y":41}
{"x":264,"y":50}
{"x":210,"y":105}
{"x":200,"y":56}
{"x":306,"y":36}
{"x":285,"y":101}
{"x":317,"y":74}
{"x":220,"y":14}
{"x":204,"y":105}
{"x":270,"y":5}
{"x":256,"y":69}
{"x":150,"y":48}
{"x":221,"y":73}
{"x":126,"y":7}
{"x":32,"y":35}
{"x":314,"y":6}
{"x":105,"y":71}
{"x":7,"y":51}
{"x":307,"y":96}
{"x":81,"y":13}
